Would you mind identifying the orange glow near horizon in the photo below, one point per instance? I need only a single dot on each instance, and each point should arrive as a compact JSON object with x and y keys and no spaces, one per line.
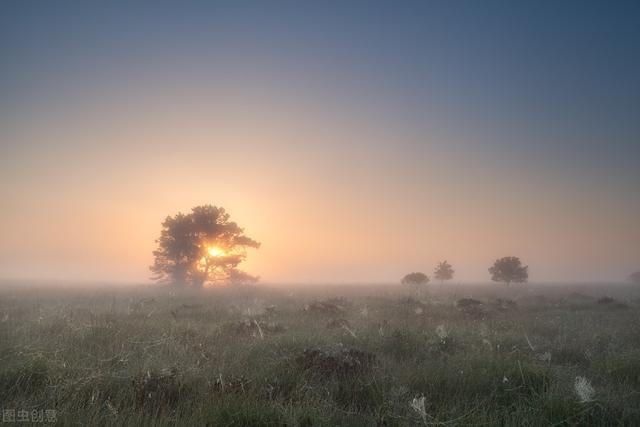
{"x":322,"y":211}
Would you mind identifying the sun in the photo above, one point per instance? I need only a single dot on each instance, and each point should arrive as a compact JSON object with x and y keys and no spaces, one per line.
{"x":214,"y":251}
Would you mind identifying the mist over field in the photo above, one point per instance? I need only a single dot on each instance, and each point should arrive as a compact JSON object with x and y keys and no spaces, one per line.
{"x":350,"y":355}
{"x":320,"y":213}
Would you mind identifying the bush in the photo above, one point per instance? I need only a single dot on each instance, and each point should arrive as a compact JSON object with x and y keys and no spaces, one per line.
{"x":403,"y":345}
{"x":30,"y":378}
{"x":336,"y":363}
{"x":158,"y":391}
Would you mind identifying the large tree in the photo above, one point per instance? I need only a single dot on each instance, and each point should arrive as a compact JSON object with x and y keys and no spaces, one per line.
{"x":509,"y":270}
{"x":443,"y":271}
{"x":635,"y":278}
{"x":202,"y":247}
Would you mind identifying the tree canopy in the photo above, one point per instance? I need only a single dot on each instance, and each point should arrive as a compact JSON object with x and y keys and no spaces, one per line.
{"x":635,"y":278}
{"x":443,"y":271}
{"x":202,"y":247}
{"x":509,"y":270}
{"x":415,"y":279}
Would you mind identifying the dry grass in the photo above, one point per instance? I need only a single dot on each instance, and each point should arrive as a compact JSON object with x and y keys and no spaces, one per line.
{"x":330,"y":356}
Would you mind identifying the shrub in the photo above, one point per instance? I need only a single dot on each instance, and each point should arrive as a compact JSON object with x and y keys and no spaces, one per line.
{"x":158,"y":391}
{"x":415,"y":279}
{"x":30,"y":378}
{"x":336,"y":363}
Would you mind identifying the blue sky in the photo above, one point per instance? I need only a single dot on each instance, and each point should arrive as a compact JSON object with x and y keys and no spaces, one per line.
{"x":559,"y":73}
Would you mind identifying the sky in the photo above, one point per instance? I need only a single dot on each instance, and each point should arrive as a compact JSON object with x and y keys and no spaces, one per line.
{"x":357,"y":141}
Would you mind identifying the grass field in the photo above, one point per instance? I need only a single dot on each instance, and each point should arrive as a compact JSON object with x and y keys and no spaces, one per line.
{"x":324,"y":356}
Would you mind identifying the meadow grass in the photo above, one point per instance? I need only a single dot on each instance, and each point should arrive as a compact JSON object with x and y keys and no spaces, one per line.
{"x":324,"y":356}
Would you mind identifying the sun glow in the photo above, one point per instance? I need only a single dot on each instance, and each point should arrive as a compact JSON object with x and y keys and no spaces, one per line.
{"x":215,"y":252}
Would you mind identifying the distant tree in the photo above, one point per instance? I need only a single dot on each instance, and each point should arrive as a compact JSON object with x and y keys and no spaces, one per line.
{"x":201,"y":247}
{"x":635,"y":278}
{"x":509,"y":269}
{"x":443,"y":271}
{"x":415,"y":279}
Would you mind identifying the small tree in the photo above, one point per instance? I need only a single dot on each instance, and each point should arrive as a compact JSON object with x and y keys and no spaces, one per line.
{"x":635,"y":278}
{"x":443,"y":271}
{"x":201,"y":247}
{"x":415,"y":279}
{"x":509,"y":269}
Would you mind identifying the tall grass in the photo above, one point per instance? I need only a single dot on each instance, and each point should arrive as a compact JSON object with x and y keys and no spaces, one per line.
{"x":321,"y":357}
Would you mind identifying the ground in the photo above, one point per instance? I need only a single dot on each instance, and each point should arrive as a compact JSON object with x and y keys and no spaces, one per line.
{"x":324,"y":356}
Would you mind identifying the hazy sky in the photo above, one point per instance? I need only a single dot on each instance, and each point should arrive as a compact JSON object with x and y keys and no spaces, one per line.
{"x":357,"y":141}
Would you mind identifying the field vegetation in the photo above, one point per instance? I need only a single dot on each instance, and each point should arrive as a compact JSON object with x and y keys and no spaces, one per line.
{"x":324,"y":356}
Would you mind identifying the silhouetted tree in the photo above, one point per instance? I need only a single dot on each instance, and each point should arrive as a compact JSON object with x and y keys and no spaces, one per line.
{"x":509,"y":269}
{"x":443,"y":271}
{"x":201,"y":247}
{"x":415,"y":279}
{"x":635,"y":278}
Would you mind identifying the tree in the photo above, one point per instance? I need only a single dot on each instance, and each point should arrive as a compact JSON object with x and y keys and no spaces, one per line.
{"x":415,"y":279}
{"x":443,"y":271}
{"x":201,"y":247}
{"x":635,"y":278}
{"x":509,"y":269}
